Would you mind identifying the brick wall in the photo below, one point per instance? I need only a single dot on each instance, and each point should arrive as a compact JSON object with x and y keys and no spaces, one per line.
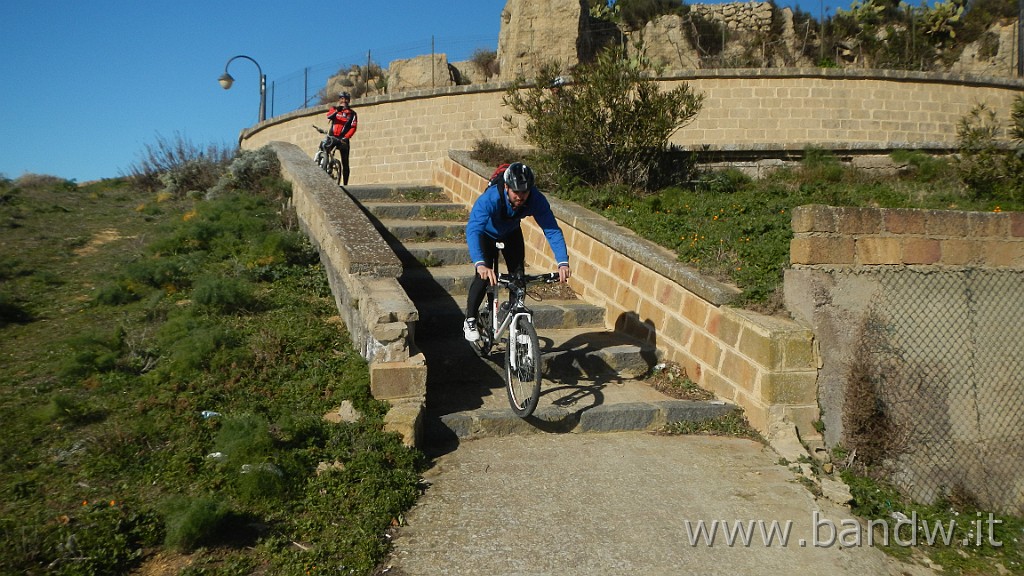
{"x":400,"y":136}
{"x":847,"y":237}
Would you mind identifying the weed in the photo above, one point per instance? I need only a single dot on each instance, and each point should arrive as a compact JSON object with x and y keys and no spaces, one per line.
{"x":486,"y":62}
{"x":492,"y":153}
{"x":733,"y":423}
{"x":671,"y":379}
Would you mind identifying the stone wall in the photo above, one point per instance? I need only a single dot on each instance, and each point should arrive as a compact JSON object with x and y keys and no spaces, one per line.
{"x":362,"y":271}
{"x":768,"y":113}
{"x":849,"y":237}
{"x":920,"y":310}
{"x":767,"y":365}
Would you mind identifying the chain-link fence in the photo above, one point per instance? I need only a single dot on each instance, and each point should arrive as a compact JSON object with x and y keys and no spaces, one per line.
{"x":301,"y":88}
{"x":943,"y":361}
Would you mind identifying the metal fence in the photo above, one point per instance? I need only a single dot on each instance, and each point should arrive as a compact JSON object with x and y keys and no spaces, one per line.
{"x":300,"y":89}
{"x":945,"y":354}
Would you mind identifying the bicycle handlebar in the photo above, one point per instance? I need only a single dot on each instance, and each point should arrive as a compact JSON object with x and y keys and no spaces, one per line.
{"x":547,"y":278}
{"x":319,"y":129}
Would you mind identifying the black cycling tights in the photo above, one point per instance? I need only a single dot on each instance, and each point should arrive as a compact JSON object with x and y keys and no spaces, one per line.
{"x":343,"y":149}
{"x":515,"y":258}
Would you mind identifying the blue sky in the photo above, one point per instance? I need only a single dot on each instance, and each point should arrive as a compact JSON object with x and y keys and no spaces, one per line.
{"x":86,"y":84}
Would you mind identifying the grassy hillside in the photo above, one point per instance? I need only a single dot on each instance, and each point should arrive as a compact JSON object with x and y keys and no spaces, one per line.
{"x":167,"y":363}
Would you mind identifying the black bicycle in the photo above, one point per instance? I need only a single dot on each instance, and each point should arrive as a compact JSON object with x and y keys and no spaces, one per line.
{"x":325,"y":157}
{"x":522,"y":350}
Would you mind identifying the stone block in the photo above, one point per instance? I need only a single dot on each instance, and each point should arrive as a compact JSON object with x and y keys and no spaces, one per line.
{"x":617,"y":417}
{"x":406,"y":419}
{"x":879,"y":250}
{"x":853,"y":220}
{"x":813,"y":217}
{"x":789,"y":388}
{"x":921,"y":251}
{"x":395,"y":380}
{"x":821,"y":250}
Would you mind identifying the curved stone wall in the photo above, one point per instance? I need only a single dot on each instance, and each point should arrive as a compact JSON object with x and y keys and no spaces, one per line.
{"x":770,"y":112}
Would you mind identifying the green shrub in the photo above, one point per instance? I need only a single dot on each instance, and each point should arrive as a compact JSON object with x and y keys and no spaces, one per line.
{"x":223,"y":295}
{"x":486,"y":62}
{"x":92,"y":353}
{"x":69,"y":409}
{"x":189,"y":343}
{"x":636,"y":13}
{"x":195,"y":175}
{"x":725,"y":181}
{"x":491,"y":153}
{"x":610,"y":125}
{"x":253,"y":171}
{"x":191,"y":165}
{"x":103,"y":538}
{"x":988,"y":169}
{"x":191,"y":521}
{"x":244,"y":439}
{"x":923,"y":167}
{"x":119,"y":292}
{"x":13,"y":311}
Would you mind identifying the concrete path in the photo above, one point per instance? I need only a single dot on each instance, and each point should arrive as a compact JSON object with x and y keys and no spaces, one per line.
{"x":620,"y":503}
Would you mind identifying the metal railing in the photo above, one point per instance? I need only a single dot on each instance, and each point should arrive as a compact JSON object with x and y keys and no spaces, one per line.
{"x":303,"y":88}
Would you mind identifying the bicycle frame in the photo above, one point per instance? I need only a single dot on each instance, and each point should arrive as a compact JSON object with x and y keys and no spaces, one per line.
{"x":522,"y":350}
{"x":325,"y":156}
{"x":516,"y":286}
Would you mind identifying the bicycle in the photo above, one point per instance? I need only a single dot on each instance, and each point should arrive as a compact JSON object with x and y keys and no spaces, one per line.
{"x":522,"y":350}
{"x":325,"y":158}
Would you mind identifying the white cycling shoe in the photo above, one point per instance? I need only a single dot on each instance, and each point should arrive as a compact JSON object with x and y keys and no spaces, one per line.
{"x":470,"y":331}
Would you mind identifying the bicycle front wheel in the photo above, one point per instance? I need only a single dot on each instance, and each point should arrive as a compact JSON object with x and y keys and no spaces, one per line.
{"x":522,"y":367}
{"x":319,"y":160}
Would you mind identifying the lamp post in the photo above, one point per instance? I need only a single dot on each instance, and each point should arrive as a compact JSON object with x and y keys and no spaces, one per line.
{"x":226,"y":81}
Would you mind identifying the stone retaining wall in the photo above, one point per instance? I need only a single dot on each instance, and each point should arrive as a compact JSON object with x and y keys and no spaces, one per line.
{"x":844,"y":237}
{"x":771,"y":112}
{"x":363,"y":271}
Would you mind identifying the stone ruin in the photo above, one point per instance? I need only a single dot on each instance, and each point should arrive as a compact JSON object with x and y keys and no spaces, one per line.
{"x":538,"y":32}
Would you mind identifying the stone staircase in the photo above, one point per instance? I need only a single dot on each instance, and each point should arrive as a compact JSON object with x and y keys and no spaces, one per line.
{"x":589,"y":371}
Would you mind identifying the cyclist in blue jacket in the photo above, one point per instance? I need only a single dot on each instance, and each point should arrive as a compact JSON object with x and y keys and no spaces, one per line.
{"x":496,"y":216}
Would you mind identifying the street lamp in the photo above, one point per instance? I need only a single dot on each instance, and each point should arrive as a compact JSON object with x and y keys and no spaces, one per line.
{"x":226,"y":81}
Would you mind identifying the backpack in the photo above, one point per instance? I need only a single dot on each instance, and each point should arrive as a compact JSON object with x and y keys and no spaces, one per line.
{"x":498,"y":174}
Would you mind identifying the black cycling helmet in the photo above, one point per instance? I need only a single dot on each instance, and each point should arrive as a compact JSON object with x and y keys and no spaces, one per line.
{"x":519,"y":177}
{"x":345,"y":95}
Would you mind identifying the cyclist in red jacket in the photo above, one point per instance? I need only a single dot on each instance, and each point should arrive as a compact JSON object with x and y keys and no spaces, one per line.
{"x":343,"y":126}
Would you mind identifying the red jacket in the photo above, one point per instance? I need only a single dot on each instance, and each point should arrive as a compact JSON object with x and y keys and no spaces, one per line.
{"x":343,"y":121}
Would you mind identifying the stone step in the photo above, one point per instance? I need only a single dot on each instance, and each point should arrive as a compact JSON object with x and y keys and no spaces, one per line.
{"x":568,"y":356}
{"x":561,"y":411}
{"x":424,"y":230}
{"x":589,"y":385}
{"x":432,"y":254}
{"x":436,"y":280}
{"x":443,"y":313}
{"x":446,"y":211}
{"x":397,"y":193}
{"x":589,"y":372}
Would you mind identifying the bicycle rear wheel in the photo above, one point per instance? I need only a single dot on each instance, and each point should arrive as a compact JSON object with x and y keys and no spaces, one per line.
{"x":522,"y":367}
{"x":334,"y":170}
{"x":483,"y":325}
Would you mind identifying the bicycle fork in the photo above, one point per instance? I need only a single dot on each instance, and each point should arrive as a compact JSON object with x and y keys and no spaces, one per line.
{"x":515,"y":340}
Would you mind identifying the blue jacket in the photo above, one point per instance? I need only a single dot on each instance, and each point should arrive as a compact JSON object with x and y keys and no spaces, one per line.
{"x":493,"y":215}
